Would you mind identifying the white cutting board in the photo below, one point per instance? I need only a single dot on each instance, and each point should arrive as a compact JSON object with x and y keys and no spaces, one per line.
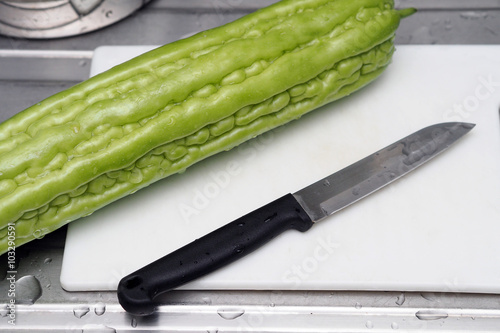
{"x":437,"y":229}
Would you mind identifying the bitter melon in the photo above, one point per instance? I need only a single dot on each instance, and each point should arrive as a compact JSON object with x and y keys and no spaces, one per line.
{"x":159,"y":113}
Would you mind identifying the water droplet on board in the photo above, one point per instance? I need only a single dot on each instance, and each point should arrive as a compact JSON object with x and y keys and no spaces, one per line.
{"x":100,"y":308}
{"x":401,"y":299}
{"x":369,"y":324}
{"x":431,"y":315}
{"x":207,"y":300}
{"x":230,"y":314}
{"x":133,"y":323}
{"x":394,"y":326}
{"x":47,"y":260}
{"x":28,"y":290}
{"x":81,"y":311}
{"x":358,"y":305}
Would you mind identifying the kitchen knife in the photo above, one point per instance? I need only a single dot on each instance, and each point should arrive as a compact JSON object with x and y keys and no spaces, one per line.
{"x":299,"y":211}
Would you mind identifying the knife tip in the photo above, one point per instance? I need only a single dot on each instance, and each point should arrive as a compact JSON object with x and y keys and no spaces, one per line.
{"x":468,"y":126}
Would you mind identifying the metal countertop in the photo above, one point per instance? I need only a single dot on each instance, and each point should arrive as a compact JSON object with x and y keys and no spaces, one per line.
{"x":31,"y":70}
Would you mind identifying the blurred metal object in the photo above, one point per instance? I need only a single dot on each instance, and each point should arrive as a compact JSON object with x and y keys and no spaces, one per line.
{"x":41,"y":19}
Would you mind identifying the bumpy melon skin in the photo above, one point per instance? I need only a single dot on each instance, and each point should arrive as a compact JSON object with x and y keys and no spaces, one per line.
{"x":159,"y":113}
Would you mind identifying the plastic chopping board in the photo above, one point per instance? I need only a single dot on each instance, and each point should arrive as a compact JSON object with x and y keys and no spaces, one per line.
{"x":436,"y":229}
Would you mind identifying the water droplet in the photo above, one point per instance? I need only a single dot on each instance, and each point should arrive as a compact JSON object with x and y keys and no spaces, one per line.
{"x":369,"y":324}
{"x":326,"y":182}
{"x":239,"y":249}
{"x":81,"y":311}
{"x":28,"y":290}
{"x":4,"y":310}
{"x":133,"y":323}
{"x":207,"y":300}
{"x":471,"y":15}
{"x":100,"y":308}
{"x":431,"y":315}
{"x":38,"y":234}
{"x":401,"y":299}
{"x":355,"y":190}
{"x":109,"y":13}
{"x":47,"y":260}
{"x":230,"y":314}
{"x":358,"y":305}
{"x":93,"y":328}
{"x":394,"y":326}
{"x":429,"y":296}
{"x":82,"y":63}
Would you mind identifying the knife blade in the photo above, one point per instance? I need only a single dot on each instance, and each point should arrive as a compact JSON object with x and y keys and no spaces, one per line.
{"x":300,"y":211}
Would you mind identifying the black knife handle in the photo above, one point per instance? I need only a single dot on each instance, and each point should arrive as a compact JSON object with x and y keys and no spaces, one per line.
{"x":137,"y":291}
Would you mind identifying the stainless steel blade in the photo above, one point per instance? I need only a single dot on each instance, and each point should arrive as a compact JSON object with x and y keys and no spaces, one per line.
{"x":375,"y":171}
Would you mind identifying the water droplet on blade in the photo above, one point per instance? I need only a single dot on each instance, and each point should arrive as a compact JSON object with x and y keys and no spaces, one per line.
{"x":355,"y":190}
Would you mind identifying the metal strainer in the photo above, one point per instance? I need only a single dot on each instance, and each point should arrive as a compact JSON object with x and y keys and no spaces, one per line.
{"x":60,"y":18}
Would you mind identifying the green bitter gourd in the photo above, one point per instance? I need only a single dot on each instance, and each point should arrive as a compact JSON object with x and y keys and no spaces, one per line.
{"x":156,"y":114}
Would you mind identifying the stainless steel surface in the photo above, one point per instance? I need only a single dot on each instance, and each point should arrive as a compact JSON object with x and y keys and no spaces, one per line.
{"x":27,"y":76}
{"x":343,"y":188}
{"x":61,"y":18}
